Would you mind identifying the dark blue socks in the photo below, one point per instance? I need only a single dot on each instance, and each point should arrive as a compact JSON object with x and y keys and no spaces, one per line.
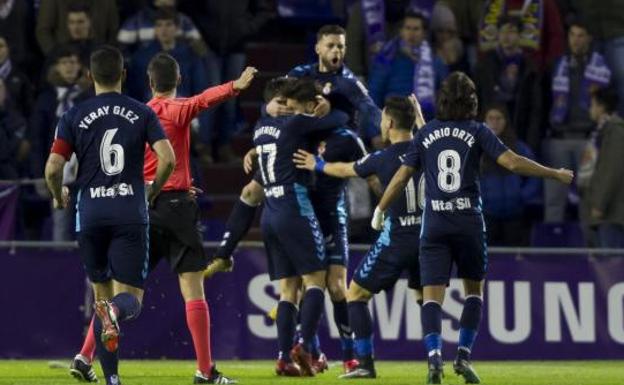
{"x":286,"y":322}
{"x":362,"y":326}
{"x":311,"y":312}
{"x":469,"y":326}
{"x":237,"y":225}
{"x":128,"y":307}
{"x":341,"y":318}
{"x":431,"y":318}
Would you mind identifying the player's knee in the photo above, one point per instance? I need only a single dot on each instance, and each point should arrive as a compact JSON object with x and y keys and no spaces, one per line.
{"x":316,"y":279}
{"x":337,"y":291}
{"x":357,"y":293}
{"x":473,"y":288}
{"x":252,"y":194}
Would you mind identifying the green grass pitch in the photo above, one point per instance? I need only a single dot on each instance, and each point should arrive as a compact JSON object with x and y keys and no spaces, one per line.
{"x":17,"y":372}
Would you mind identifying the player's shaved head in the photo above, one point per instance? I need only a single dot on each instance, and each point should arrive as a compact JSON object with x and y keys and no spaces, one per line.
{"x":401,"y":111}
{"x":164,"y":72}
{"x":302,"y":90}
{"x":275,"y":87}
{"x":457,"y":98}
{"x":330,"y":29}
{"x":106,"y":66}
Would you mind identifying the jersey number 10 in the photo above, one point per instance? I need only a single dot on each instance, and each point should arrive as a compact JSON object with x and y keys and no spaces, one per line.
{"x":111,"y":155}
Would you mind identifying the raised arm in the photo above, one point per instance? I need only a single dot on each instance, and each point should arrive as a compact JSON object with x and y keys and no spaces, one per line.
{"x":524,"y":166}
{"x":306,"y":161}
{"x":393,"y":191}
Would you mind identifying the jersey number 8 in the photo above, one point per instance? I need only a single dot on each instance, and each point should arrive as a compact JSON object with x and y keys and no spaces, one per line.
{"x":111,"y":155}
{"x":449,"y":164}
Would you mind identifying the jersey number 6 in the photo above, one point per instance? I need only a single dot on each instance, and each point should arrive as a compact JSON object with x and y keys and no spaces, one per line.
{"x":111,"y":155}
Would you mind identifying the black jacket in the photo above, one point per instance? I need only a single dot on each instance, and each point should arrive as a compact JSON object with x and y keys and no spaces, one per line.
{"x":526,"y":108}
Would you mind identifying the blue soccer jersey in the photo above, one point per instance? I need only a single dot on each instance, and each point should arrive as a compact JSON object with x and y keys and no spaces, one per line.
{"x":277,"y":139}
{"x":449,"y":154}
{"x":346,"y":93}
{"x":108,"y":134}
{"x":405,"y":211}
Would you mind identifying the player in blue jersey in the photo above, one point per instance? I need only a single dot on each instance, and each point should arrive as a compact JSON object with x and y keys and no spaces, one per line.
{"x":345,"y":93}
{"x":396,"y":249}
{"x":448,"y":151}
{"x":291,"y":232}
{"x":108,"y":134}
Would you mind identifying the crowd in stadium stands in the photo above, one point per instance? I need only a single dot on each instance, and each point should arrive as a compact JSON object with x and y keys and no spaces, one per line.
{"x":548,"y":73}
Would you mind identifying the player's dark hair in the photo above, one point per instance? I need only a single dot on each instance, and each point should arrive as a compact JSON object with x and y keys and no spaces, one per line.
{"x":457,"y":98}
{"x":330,"y":29}
{"x":163,"y":72}
{"x":106,"y":65}
{"x":166,"y":13}
{"x":606,"y":97}
{"x":78,"y":7}
{"x":413,"y":14}
{"x":401,"y":111}
{"x":275,"y":87}
{"x":302,"y":90}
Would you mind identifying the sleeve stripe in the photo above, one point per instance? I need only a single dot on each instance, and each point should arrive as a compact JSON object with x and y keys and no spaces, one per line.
{"x":61,"y":147}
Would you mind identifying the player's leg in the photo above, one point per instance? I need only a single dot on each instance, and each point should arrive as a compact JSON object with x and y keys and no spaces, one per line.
{"x":237,"y":225}
{"x":337,"y":289}
{"x":471,"y":268}
{"x":81,"y":367}
{"x":127,"y":250}
{"x":435,"y":263}
{"x":286,"y":321}
{"x":362,"y":325}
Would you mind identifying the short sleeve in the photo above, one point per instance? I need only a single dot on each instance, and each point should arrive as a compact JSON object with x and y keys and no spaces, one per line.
{"x":64,"y":130}
{"x":412,"y":157}
{"x":154,"y":129}
{"x":490,"y":143}
{"x":367,"y":165}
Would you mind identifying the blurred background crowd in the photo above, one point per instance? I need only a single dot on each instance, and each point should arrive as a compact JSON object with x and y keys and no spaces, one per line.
{"x":548,"y":74}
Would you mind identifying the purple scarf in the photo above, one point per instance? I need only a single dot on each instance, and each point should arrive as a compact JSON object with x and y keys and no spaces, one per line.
{"x":423,"y":82}
{"x":596,"y":74}
{"x":532,"y":17}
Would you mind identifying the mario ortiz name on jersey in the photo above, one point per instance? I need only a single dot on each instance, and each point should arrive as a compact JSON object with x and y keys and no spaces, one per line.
{"x":440,"y":133}
{"x":92,"y":116}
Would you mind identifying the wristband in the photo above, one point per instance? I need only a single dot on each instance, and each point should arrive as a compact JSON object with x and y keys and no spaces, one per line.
{"x":320,"y":164}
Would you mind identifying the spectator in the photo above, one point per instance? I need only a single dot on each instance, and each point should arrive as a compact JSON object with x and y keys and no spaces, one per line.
{"x":13,"y":26}
{"x":80,"y":31}
{"x":192,"y":68}
{"x":61,"y":93}
{"x":138,"y":30}
{"x":575,"y":75}
{"x":52,"y":28}
{"x":373,"y":22}
{"x":16,"y":83}
{"x":505,"y":195}
{"x":467,"y":18}
{"x":605,"y":21}
{"x":226,"y":26}
{"x":601,"y":179}
{"x":541,"y":27}
{"x":14,"y":146}
{"x":450,"y":49}
{"x":505,"y":75}
{"x":407,"y":64}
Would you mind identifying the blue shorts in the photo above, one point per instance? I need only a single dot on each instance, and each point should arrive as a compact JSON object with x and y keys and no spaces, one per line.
{"x":461,"y":242}
{"x":119,"y":252}
{"x":292,"y":236}
{"x":333,"y":218}
{"x":394,"y":252}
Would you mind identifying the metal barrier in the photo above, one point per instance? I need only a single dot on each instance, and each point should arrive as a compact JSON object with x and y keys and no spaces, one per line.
{"x":13,"y":245}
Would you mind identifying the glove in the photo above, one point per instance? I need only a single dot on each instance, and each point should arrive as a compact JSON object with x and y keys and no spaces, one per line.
{"x":378,"y":219}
